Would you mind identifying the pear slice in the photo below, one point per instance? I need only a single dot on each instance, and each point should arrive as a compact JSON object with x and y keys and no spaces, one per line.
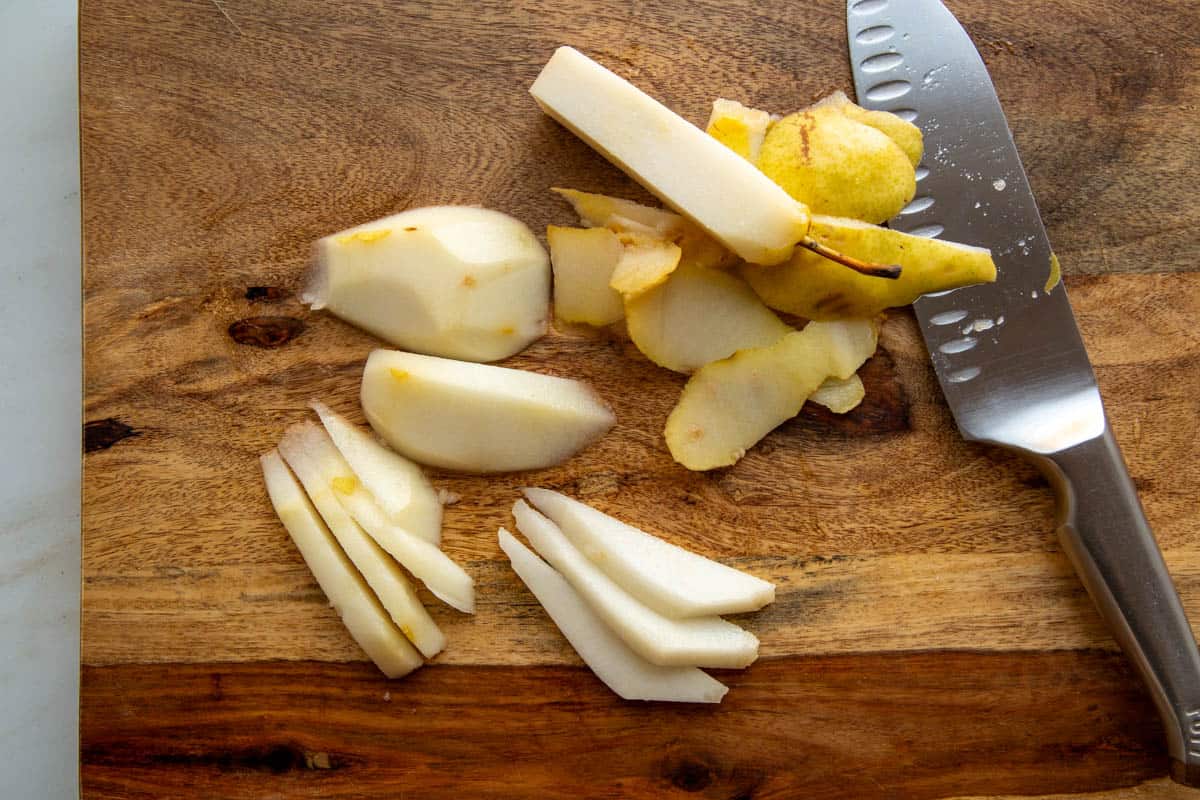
{"x":695,"y":642}
{"x":381,"y":573}
{"x":683,"y":166}
{"x":603,"y":211}
{"x":446,"y":580}
{"x":838,"y":165}
{"x":675,"y":582}
{"x":900,"y":131}
{"x":645,"y":263}
{"x":396,"y":484}
{"x":738,"y":127}
{"x":613,"y":662}
{"x":816,"y":288}
{"x":359,"y":608}
{"x":583,"y":261}
{"x":729,"y":405}
{"x":839,"y":396}
{"x":476,"y":417}
{"x":454,"y":281}
{"x":699,"y":315}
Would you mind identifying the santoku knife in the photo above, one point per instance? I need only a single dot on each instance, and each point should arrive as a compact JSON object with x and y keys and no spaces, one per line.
{"x":1008,"y":355}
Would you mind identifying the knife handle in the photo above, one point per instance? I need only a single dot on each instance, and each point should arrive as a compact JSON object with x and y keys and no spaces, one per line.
{"x":1104,"y":532}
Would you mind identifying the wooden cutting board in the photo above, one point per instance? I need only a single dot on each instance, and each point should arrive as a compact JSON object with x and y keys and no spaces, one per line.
{"x":929,"y":640}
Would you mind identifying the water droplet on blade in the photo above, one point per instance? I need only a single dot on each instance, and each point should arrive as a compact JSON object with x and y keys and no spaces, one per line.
{"x":999,"y":184}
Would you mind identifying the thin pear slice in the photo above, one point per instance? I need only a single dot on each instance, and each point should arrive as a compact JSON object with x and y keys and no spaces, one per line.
{"x":839,"y":396}
{"x":381,"y":573}
{"x":645,"y":263}
{"x":699,"y":315}
{"x":730,"y":405}
{"x":475,"y":417}
{"x":696,"y":642}
{"x":814,"y":287}
{"x":683,"y":166}
{"x":613,"y":662}
{"x":365,"y":619}
{"x":738,"y":127}
{"x":447,"y":580}
{"x":398,"y":485}
{"x":583,"y":260}
{"x":675,"y":582}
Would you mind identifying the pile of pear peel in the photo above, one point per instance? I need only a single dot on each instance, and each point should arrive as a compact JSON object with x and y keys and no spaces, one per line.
{"x":764,"y":214}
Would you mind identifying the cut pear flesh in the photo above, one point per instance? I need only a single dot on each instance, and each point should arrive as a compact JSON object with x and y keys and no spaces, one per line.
{"x":729,"y":405}
{"x":454,"y":281}
{"x":424,"y":560}
{"x":365,"y":619}
{"x":679,"y":163}
{"x":697,"y":316}
{"x":381,"y":573}
{"x":839,"y":396}
{"x":815,"y":287}
{"x":476,"y":417}
{"x":675,"y":582}
{"x":583,"y":261}
{"x":645,"y":263}
{"x":695,"y":642}
{"x":620,"y":668}
{"x":398,"y":485}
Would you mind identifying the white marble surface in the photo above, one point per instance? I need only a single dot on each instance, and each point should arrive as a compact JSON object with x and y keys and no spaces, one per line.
{"x":39,"y":399}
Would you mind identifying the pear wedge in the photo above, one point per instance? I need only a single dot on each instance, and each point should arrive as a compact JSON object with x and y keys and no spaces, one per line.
{"x":729,"y":405}
{"x":365,"y":619}
{"x":620,"y":668}
{"x":645,"y":263}
{"x":381,"y":573}
{"x":677,"y":162}
{"x":476,"y":417}
{"x":699,"y":315}
{"x":813,"y":287}
{"x":696,"y":642}
{"x":675,"y":582}
{"x":396,"y":484}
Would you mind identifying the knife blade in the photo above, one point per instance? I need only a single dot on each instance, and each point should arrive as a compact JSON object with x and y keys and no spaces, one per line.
{"x":1009,"y":355}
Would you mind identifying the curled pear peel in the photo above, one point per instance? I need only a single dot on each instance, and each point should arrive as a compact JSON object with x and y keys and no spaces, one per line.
{"x":583,"y":260}
{"x":813,"y":287}
{"x":645,"y":262}
{"x":838,"y":165}
{"x":738,"y":127}
{"x":729,"y":405}
{"x":840,"y":396}
{"x":699,"y":315}
{"x":900,"y":131}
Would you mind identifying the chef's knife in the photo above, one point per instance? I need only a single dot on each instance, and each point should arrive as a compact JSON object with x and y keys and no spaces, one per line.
{"x":1008,"y":355}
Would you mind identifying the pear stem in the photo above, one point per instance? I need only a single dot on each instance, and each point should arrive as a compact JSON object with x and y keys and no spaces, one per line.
{"x":889,"y":271}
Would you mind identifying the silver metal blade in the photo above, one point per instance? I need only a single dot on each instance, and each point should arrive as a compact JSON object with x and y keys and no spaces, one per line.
{"x":1008,"y":354}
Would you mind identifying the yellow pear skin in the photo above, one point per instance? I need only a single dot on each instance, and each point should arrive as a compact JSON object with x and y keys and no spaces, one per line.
{"x":838,"y":166}
{"x":814,"y":287}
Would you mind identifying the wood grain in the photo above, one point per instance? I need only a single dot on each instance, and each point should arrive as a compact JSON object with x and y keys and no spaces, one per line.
{"x":220,"y":140}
